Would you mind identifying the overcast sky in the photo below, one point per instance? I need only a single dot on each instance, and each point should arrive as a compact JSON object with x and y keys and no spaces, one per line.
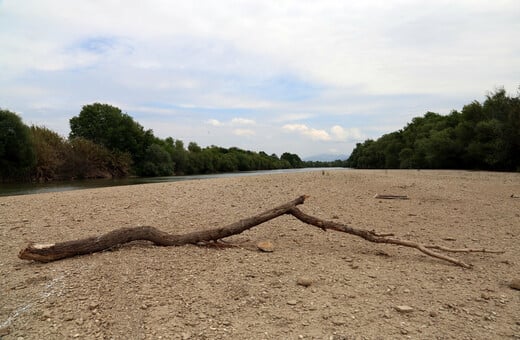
{"x":307,"y":77}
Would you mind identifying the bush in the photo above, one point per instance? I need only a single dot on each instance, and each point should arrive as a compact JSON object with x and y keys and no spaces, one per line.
{"x":157,"y":162}
{"x":51,"y":153}
{"x":90,"y":160}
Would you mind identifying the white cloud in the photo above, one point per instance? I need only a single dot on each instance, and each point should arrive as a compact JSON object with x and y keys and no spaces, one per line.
{"x":291,"y":117}
{"x":265,"y":63}
{"x":244,"y":132}
{"x":337,"y":133}
{"x":342,"y":134}
{"x":242,"y":121}
{"x":352,"y":44}
{"x":232,"y":122}
{"x":304,"y":130}
{"x":214,"y":122}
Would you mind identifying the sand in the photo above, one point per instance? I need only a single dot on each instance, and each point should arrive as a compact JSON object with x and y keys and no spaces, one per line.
{"x":352,"y":289}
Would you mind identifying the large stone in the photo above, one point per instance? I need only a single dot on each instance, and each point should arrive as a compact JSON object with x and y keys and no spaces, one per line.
{"x":404,"y":309}
{"x":304,"y":281}
{"x":515,"y":284}
{"x":266,"y":246}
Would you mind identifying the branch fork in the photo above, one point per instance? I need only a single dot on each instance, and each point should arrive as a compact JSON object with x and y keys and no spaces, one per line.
{"x":47,"y":252}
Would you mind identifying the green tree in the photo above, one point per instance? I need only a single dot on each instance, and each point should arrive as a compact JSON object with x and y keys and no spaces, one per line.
{"x":293,"y":159}
{"x":392,"y":145}
{"x":106,"y":125}
{"x":17,"y":154}
{"x":481,"y":136}
{"x":194,"y":147}
{"x":157,"y":162}
{"x":179,"y":156}
{"x":406,"y":159}
{"x":487,"y":148}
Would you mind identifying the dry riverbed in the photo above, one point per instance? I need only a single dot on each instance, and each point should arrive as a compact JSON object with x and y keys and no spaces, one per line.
{"x":314,"y":285}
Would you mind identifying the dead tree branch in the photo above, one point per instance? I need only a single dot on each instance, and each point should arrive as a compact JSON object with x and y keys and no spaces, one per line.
{"x":382,"y":238}
{"x":56,"y":251}
{"x":391,"y":197}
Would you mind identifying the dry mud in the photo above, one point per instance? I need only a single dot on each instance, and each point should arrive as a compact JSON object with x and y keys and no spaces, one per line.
{"x":140,"y":291}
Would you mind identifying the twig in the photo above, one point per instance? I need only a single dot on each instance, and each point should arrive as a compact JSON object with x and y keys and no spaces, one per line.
{"x":373,"y":237}
{"x":391,"y":197}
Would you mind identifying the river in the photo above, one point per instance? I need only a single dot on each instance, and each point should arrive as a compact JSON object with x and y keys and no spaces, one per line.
{"x":11,"y":189}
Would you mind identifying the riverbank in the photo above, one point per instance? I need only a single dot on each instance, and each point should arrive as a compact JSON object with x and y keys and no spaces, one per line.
{"x":145,"y":292}
{"x":12,"y":189}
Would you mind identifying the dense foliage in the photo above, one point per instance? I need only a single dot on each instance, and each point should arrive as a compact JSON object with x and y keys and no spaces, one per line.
{"x":482,"y":136}
{"x":17,"y":155}
{"x":107,"y":126}
{"x":60,"y":159}
{"x":105,"y":142}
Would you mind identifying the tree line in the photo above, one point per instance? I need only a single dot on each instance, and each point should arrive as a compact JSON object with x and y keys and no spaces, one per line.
{"x":483,"y":136}
{"x":104,"y":142}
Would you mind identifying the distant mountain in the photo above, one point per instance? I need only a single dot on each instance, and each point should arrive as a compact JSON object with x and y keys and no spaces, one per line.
{"x":326,"y":157}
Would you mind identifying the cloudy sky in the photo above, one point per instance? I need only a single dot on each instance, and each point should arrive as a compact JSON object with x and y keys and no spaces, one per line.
{"x":307,"y":77}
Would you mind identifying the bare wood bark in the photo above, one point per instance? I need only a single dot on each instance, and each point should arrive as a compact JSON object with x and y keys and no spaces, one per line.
{"x":383,"y":238}
{"x":56,"y":251}
{"x":391,"y":197}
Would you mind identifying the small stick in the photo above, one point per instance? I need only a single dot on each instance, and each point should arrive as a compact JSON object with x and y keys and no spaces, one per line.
{"x":391,"y":197}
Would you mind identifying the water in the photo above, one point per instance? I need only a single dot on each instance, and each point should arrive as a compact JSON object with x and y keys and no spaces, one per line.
{"x":11,"y":189}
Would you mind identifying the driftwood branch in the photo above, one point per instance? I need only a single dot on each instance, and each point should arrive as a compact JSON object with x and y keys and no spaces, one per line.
{"x":391,"y":197}
{"x":55,"y":251}
{"x":383,"y":238}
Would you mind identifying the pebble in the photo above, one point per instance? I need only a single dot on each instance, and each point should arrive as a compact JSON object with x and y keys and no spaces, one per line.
{"x":404,"y":309}
{"x":515,"y":284}
{"x":304,"y":281}
{"x":292,"y":302}
{"x":338,"y":321}
{"x":485,"y":296}
{"x":265,"y":246}
{"x":433,"y":314}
